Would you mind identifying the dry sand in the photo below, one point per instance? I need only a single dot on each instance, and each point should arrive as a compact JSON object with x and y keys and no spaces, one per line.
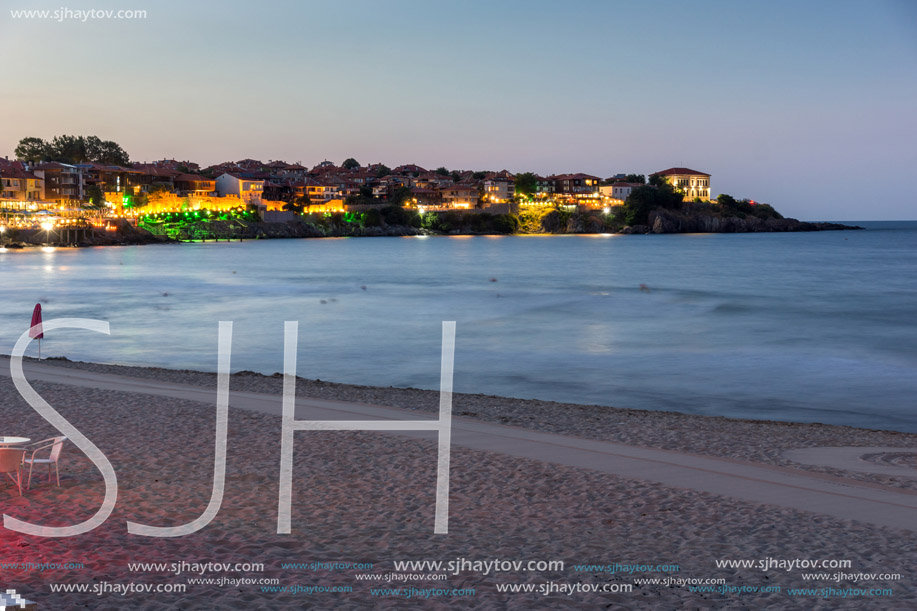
{"x":363,"y":497}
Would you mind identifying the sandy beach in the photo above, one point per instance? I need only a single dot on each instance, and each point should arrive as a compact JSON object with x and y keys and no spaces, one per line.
{"x":619,"y":336}
{"x":362,"y":497}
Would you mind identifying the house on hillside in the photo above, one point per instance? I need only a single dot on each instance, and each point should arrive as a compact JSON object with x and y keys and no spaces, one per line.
{"x":691,"y":182}
{"x":249,"y":190}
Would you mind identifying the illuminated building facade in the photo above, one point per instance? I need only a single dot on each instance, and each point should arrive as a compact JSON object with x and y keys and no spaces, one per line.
{"x":691,"y":182}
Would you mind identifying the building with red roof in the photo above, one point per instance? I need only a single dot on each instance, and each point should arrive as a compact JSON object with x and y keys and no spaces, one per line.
{"x":693,"y":183}
{"x":578,"y":184}
{"x":20,"y":185}
{"x":460,"y":196}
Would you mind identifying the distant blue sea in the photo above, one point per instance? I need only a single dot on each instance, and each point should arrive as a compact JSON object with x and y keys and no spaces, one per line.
{"x":813,"y":327}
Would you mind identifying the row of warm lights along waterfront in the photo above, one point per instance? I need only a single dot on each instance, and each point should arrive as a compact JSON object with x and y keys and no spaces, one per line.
{"x":102,"y":196}
{"x":48,"y":221}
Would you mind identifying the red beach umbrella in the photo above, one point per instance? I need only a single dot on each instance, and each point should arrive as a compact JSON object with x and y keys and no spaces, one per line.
{"x":35,"y":331}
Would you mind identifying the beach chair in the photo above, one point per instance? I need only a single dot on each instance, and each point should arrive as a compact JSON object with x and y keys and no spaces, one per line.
{"x":10,"y":463}
{"x":55,"y":445}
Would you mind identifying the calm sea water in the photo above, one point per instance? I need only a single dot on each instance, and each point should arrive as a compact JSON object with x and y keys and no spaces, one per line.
{"x":801,"y":327}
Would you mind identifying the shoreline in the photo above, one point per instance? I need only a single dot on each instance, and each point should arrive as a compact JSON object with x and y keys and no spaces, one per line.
{"x":581,"y":224}
{"x":133,"y":242}
{"x":759,"y":441}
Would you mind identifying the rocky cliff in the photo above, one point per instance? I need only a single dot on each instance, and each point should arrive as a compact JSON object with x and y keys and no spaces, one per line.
{"x":670,"y":221}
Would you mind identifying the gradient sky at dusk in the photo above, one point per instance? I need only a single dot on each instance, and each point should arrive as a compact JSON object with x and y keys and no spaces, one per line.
{"x":807,"y":105}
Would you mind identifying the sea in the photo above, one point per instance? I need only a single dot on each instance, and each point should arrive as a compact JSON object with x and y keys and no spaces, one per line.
{"x":803,"y":327}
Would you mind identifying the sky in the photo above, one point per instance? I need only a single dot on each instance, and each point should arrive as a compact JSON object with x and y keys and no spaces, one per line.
{"x":810,"y":106}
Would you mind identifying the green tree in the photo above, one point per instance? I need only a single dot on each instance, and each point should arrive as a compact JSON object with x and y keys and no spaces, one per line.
{"x":95,"y":199}
{"x":733,"y":207}
{"x":766,"y":211}
{"x":657,"y":180}
{"x":478,"y":175}
{"x":383,"y":170}
{"x":442,"y":171}
{"x":94,"y":195}
{"x":350,"y":164}
{"x":293,"y":206}
{"x":638,"y":178}
{"x":743,"y":207}
{"x":91,"y":146}
{"x":69,"y":149}
{"x":644,"y":200}
{"x":111,"y":153}
{"x":505,"y":223}
{"x":526,"y":184}
{"x":32,"y":150}
{"x":400,"y":196}
{"x":72,"y":149}
{"x":371,"y":218}
{"x":456,"y":176}
{"x":395,"y":215}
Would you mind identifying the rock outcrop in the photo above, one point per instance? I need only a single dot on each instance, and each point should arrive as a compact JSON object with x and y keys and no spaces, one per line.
{"x":670,"y":221}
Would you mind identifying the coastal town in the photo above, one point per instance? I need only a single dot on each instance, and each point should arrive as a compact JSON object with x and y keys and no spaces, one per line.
{"x":53,"y":195}
{"x":76,"y":190}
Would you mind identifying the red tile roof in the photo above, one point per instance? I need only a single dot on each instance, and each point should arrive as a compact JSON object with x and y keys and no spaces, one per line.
{"x":192,"y":178}
{"x":672,"y":171}
{"x":240,"y":176}
{"x":14,"y":172}
{"x":577,"y":176}
{"x":410,"y":167}
{"x":316,"y":182}
{"x":152,"y":170}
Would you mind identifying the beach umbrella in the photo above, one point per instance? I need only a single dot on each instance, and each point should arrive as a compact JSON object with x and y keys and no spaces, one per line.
{"x":35,"y":331}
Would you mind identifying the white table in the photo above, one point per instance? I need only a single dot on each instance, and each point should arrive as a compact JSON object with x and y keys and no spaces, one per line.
{"x":6,"y":442}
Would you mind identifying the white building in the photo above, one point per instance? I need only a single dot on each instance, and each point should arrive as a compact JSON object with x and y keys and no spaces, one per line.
{"x":691,"y":182}
{"x":247,"y":189}
{"x":618,"y":190}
